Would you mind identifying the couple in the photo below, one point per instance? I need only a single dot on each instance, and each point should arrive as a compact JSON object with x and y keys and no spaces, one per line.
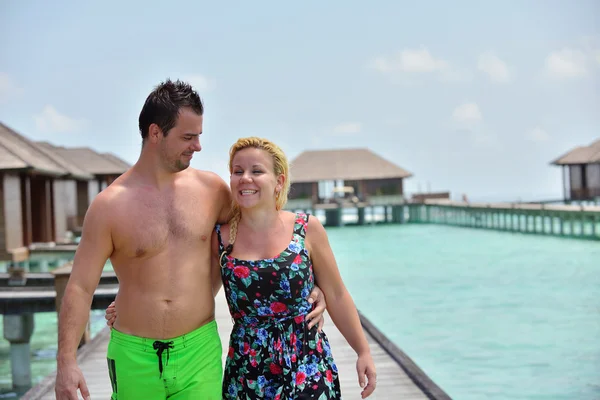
{"x":173,"y":234}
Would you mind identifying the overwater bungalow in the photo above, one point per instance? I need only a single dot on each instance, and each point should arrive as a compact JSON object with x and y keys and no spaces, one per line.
{"x":581,"y":172}
{"x":365,"y":177}
{"x":28,"y":200}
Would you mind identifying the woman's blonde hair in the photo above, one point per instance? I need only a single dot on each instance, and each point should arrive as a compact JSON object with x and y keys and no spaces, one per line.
{"x":280,"y":167}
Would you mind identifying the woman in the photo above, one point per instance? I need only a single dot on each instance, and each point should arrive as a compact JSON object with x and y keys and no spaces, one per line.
{"x":269,"y":260}
{"x":272,"y":354}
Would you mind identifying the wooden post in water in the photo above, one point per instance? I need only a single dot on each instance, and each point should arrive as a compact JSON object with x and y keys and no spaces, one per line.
{"x":61,"y":278}
{"x":361,"y":215}
{"x":18,"y":328}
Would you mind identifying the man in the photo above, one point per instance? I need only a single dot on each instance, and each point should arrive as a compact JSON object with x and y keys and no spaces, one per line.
{"x":154,"y":223}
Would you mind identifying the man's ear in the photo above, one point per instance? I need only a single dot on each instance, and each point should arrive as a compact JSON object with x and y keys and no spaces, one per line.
{"x":154,"y":133}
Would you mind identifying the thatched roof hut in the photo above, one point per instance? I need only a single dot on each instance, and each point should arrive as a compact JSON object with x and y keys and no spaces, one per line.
{"x":581,"y":172}
{"x":367,"y":173}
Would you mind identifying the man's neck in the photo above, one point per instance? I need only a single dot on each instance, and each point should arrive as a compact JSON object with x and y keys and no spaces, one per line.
{"x":150,"y":168}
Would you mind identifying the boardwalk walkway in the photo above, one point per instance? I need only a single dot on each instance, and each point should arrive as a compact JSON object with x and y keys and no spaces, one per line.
{"x":393,"y":382}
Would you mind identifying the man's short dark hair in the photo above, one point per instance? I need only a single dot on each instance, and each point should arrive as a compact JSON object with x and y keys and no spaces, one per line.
{"x":163,"y":104}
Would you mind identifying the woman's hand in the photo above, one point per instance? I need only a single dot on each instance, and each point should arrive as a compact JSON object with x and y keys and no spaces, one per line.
{"x":367,"y":377}
{"x":111,"y":314}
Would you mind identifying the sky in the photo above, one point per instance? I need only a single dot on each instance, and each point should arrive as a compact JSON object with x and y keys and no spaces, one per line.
{"x":471,"y":97}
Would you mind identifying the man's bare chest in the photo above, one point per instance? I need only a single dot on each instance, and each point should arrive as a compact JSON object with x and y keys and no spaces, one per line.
{"x":153,"y":226}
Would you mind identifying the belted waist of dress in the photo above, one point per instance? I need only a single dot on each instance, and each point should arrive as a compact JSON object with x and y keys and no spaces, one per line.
{"x":260,"y":320}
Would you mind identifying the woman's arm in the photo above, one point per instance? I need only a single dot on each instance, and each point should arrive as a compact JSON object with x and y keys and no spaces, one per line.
{"x":215,"y":266}
{"x":340,"y":305}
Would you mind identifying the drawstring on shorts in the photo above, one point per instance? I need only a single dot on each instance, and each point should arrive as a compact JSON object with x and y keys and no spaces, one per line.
{"x":160,"y":347}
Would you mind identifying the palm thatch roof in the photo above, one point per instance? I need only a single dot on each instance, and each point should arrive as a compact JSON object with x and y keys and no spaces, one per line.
{"x":581,"y":155}
{"x":343,"y":164}
{"x":18,"y":153}
{"x":88,"y":160}
{"x":74,"y":170}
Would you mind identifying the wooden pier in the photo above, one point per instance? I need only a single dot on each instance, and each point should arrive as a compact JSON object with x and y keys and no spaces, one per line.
{"x":398,"y":376}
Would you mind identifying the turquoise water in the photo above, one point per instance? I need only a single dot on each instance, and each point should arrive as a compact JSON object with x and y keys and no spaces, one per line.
{"x":43,"y":347}
{"x":486,"y":314}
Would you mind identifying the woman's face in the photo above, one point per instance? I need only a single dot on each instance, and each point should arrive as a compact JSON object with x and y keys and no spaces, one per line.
{"x":253,"y":181}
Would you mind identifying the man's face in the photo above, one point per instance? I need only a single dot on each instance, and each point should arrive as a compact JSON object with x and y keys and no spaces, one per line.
{"x":183,"y":140}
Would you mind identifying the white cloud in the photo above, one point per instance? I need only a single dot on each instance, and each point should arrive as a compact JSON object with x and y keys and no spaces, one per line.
{"x":50,"y":120}
{"x":566,"y":63}
{"x":467,"y":113}
{"x":415,"y":61}
{"x":493,"y":66}
{"x":347,"y":128}
{"x":200,"y":83}
{"x":537,"y":134}
{"x":8,"y":88}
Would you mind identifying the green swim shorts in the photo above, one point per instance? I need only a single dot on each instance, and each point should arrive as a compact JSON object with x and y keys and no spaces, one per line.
{"x":185,"y":367}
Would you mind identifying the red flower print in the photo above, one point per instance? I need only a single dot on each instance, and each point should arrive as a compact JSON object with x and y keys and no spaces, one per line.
{"x":299,"y":319}
{"x":241,"y":271}
{"x":319,"y":346}
{"x":253,"y":362}
{"x":246,"y":348}
{"x":278,"y":307}
{"x":253,"y":352}
{"x":298,"y":259}
{"x":293,"y":357}
{"x":302,"y":222}
{"x":230,"y":353}
{"x":329,"y":376}
{"x":300,"y":378}
{"x":275,"y":369}
{"x":229,"y":265}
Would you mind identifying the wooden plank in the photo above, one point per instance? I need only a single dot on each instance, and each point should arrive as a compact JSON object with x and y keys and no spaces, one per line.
{"x":392,"y":382}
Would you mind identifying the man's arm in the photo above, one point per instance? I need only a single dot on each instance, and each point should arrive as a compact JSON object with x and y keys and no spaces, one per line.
{"x":92,"y":252}
{"x":224,"y":199}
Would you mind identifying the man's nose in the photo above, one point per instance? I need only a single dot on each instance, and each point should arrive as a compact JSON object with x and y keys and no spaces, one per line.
{"x":196,"y":146}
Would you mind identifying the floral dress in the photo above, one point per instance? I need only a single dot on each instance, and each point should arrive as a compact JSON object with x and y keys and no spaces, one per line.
{"x":272,"y":353}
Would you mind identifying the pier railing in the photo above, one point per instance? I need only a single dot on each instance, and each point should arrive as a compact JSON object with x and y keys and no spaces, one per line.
{"x":579,"y":221}
{"x":24,"y":294}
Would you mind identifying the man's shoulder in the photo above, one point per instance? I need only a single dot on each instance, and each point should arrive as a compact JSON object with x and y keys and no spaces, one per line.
{"x":208,"y":178}
{"x":110,"y":196}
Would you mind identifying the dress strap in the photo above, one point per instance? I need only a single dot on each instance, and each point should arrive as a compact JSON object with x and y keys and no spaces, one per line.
{"x":221,"y":245}
{"x":300,"y":227}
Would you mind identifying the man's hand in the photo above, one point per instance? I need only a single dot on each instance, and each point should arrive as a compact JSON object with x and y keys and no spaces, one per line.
{"x":111,"y":314}
{"x":68,"y":379}
{"x":316,"y":315}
